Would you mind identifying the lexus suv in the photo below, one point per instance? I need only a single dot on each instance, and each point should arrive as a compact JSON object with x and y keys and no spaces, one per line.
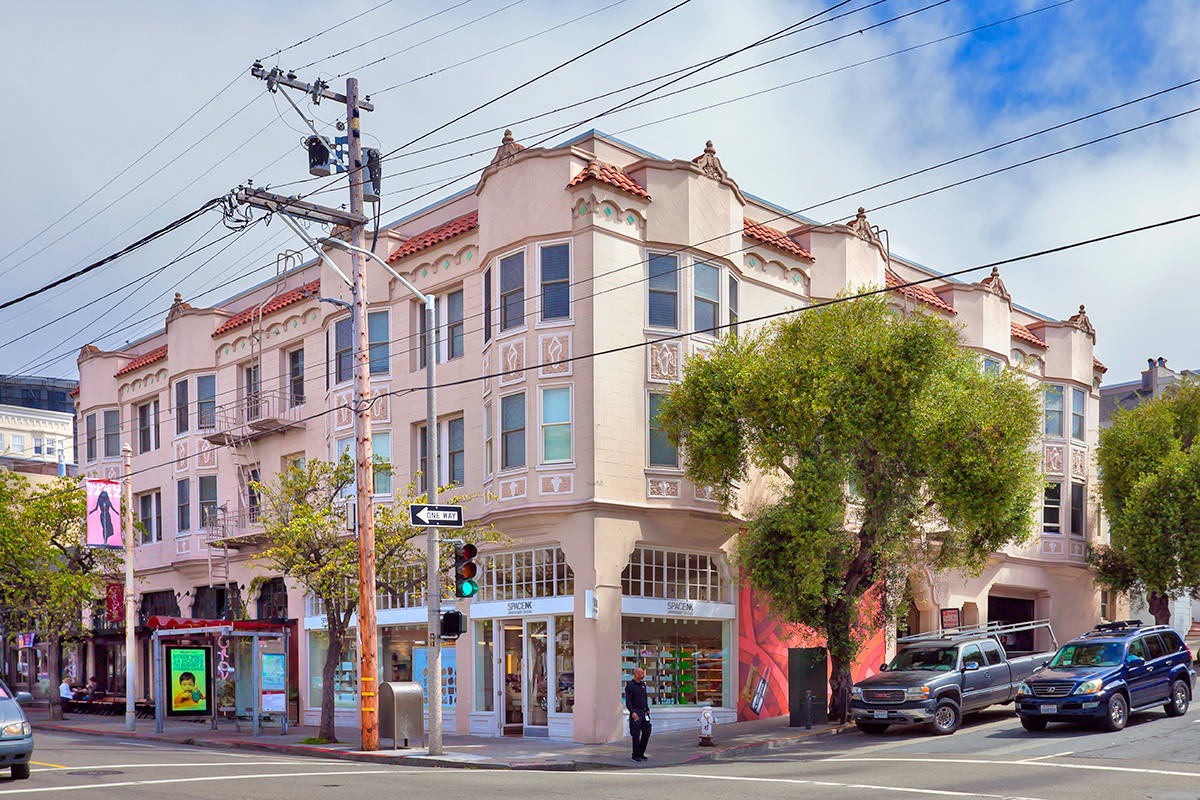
{"x":1108,"y":673}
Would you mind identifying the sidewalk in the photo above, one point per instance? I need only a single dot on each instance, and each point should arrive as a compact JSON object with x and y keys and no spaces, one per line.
{"x":666,"y":749}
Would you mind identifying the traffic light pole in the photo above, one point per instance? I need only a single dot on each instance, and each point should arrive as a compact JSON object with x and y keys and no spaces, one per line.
{"x":433,"y":582}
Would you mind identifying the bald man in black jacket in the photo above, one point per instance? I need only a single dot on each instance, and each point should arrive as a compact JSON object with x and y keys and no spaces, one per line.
{"x":638,"y":705}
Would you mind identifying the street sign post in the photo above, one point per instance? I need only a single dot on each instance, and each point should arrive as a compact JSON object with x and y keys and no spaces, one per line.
{"x":428,"y":516}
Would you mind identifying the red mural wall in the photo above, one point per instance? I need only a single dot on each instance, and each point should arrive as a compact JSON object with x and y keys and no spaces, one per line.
{"x":763,"y":644}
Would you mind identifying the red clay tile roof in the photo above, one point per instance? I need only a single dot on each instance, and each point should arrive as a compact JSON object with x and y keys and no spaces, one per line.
{"x":777,"y":239}
{"x":1019,"y":331}
{"x":284,"y":300}
{"x":75,"y":392}
{"x":1097,"y":365}
{"x":611,"y":176}
{"x":157,"y":354}
{"x":442,"y":233}
{"x":921,"y":294}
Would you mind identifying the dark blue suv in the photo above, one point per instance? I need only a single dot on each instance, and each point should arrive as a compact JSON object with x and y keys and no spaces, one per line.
{"x":1107,"y":674}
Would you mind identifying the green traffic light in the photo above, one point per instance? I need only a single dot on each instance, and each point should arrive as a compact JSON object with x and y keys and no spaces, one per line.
{"x":468,"y":588}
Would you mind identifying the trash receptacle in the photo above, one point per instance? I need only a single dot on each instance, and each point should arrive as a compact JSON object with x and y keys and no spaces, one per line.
{"x":808,"y":671}
{"x":401,"y":712}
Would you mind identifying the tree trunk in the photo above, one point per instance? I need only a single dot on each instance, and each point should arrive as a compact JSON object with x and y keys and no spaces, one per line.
{"x":1160,"y":607}
{"x":333,"y":657}
{"x":839,"y":688}
{"x":54,"y":672}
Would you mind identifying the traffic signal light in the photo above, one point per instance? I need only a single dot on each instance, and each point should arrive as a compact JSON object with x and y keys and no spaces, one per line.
{"x":452,"y":625}
{"x":465,"y":570}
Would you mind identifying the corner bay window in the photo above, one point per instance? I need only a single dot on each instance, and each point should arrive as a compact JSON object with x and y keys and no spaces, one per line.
{"x":343,"y":350}
{"x":112,"y":435}
{"x":1052,"y":508}
{"x":707,"y":309}
{"x":181,"y":407}
{"x":206,"y":402}
{"x":1054,"y":411}
{"x":556,"y":285}
{"x":556,"y":424}
{"x":661,"y":452}
{"x":525,"y":574}
{"x":512,"y":431}
{"x":1078,"y":523}
{"x":512,"y":291}
{"x":1078,"y":413}
{"x":685,"y":659}
{"x":90,"y":427}
{"x":664,"y":292}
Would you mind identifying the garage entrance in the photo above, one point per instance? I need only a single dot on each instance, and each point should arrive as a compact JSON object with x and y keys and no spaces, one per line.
{"x":1010,"y":610}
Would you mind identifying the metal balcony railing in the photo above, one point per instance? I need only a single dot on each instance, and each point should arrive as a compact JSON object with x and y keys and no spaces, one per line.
{"x":258,"y":413}
{"x":240,"y":528}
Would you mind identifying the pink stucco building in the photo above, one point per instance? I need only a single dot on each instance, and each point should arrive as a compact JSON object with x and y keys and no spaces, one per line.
{"x":580,"y":249}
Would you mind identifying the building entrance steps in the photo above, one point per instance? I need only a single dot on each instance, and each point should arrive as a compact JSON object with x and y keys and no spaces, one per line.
{"x":666,"y":749}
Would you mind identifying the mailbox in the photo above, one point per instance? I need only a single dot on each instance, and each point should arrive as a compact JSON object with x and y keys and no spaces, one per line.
{"x":401,"y":712}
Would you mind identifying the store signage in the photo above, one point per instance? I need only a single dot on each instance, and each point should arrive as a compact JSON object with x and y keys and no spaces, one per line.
{"x":114,"y":602}
{"x":274,"y":684}
{"x":189,"y":681}
{"x":427,"y":516}
{"x":103,"y":513}
{"x":521,"y":608}
{"x":658,"y":607}
{"x":25,"y":641}
{"x":951,"y":618}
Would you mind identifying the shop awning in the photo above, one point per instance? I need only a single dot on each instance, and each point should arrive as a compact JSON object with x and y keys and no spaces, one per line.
{"x":183,"y":623}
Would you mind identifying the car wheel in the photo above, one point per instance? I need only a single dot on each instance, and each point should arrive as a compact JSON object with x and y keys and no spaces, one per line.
{"x":20,"y":771}
{"x":1177,"y":706}
{"x":946,"y":717}
{"x":1117,"y":713}
{"x":872,"y":727}
{"x":1033,"y":724}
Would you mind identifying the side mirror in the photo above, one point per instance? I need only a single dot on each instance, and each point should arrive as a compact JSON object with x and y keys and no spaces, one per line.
{"x":883,"y":667}
{"x":970,"y":666}
{"x":24,"y":697}
{"x":1134,"y":661}
{"x":1046,"y":663}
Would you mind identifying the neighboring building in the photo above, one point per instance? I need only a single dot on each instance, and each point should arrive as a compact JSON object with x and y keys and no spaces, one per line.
{"x":617,"y":558}
{"x":1156,"y":379}
{"x":36,"y":442}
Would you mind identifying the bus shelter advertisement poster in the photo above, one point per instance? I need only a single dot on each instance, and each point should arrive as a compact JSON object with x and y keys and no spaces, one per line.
{"x":188,"y":678}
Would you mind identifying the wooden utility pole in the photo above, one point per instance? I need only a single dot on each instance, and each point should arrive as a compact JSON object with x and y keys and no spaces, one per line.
{"x":368,"y":662}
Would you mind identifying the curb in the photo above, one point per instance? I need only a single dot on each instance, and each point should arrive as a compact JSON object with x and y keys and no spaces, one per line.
{"x":383,"y":758}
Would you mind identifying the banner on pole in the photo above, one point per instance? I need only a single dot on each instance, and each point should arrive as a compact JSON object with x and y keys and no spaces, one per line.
{"x":114,"y":602}
{"x":104,"y":514}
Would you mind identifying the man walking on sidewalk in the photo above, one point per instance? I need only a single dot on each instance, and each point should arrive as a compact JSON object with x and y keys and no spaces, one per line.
{"x":638,"y":705}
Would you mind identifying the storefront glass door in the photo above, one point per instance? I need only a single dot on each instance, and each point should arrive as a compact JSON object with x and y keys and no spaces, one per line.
{"x":536,"y":698}
{"x":512,"y":673}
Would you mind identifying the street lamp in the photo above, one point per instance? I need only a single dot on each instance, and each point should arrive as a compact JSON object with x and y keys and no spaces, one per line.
{"x":433,"y":590}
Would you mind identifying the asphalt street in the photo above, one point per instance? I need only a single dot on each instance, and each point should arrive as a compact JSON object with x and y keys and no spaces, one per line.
{"x":991,"y":757}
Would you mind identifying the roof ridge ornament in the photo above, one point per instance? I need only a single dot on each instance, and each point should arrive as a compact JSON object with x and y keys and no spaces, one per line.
{"x":1082,"y":322}
{"x":995,"y":285}
{"x":508,"y":147}
{"x":178,"y":307}
{"x":862,"y":229}
{"x":709,"y":164}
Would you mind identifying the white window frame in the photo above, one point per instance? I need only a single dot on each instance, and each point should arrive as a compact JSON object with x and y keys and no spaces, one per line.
{"x":542,"y":424}
{"x":391,"y":482}
{"x":18,"y":443}
{"x":179,"y":530}
{"x":295,"y":399}
{"x":387,"y":342}
{"x":443,"y":319}
{"x":333,"y":326}
{"x":992,"y":364}
{"x":525,"y":574}
{"x":1070,"y":504}
{"x":715,"y":331}
{"x":1077,"y":392}
{"x":91,"y":438}
{"x":1062,"y":411}
{"x":216,"y":503}
{"x":649,"y":463}
{"x":200,"y":420}
{"x":444,"y":446}
{"x":183,"y":418}
{"x":525,"y":429}
{"x":1046,"y":528}
{"x":678,"y":273}
{"x":659,"y":589}
{"x":569,"y":319}
{"x":489,"y":441}
{"x":498,"y":277}
{"x":733,"y":308}
{"x":105,"y":434}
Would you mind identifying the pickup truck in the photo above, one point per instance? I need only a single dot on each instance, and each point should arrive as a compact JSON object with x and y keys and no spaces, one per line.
{"x":936,"y":678}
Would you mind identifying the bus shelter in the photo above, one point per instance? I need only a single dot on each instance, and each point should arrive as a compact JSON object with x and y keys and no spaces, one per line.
{"x":204,"y":668}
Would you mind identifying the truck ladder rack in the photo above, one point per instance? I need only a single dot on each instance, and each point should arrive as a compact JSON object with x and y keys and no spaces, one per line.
{"x":990,"y":629}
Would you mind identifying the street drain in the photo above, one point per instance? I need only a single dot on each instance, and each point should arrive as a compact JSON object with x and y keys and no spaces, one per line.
{"x":92,"y":772}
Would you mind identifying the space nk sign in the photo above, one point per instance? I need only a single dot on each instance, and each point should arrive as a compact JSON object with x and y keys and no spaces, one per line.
{"x":427,"y":516}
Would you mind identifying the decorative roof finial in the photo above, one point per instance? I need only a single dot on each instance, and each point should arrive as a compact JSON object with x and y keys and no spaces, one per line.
{"x":508,"y":147}
{"x":709,"y":164}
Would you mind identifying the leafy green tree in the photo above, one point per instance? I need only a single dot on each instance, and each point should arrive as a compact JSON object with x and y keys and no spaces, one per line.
{"x":48,"y":572}
{"x":1150,"y":489}
{"x":304,"y":516}
{"x":883,"y":448}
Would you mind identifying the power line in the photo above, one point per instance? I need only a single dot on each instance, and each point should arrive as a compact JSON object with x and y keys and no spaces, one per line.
{"x":123,"y":251}
{"x":308,"y":39}
{"x":761,"y":318}
{"x":389,"y":33}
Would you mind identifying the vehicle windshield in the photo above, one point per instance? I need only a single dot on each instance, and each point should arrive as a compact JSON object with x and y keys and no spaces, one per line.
{"x":4,"y":693}
{"x":1089,"y":654}
{"x":942,"y":659}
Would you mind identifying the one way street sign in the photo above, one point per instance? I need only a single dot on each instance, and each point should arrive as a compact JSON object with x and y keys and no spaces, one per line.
{"x":436,"y":516}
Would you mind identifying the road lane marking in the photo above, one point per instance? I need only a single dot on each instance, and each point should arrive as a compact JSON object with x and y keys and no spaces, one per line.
{"x":827,"y":784}
{"x":1023,"y":763}
{"x":95,"y":786}
{"x":1054,"y":755}
{"x":178,"y":765}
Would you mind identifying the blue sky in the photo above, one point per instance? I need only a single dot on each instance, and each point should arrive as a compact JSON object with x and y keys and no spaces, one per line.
{"x":124,"y":75}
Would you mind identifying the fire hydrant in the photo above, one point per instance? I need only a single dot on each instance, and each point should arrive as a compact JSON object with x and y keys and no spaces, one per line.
{"x":707,"y":721}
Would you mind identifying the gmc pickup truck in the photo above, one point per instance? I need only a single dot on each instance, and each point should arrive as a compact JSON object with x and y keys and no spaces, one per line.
{"x":937,"y":677}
